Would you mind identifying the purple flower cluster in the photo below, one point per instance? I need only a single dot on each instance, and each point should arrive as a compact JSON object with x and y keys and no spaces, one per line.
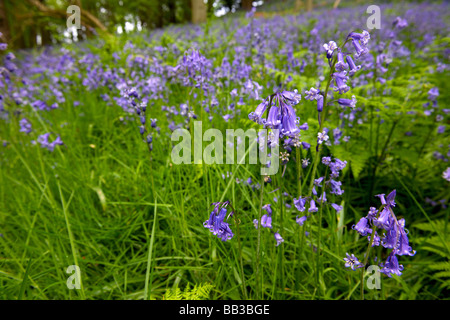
{"x":266,"y":222}
{"x":446,"y":174}
{"x":345,"y":62}
{"x":140,"y":108}
{"x":216,"y":222}
{"x":43,"y":140}
{"x":395,"y":236}
{"x":320,"y":197}
{"x":198,"y":69}
{"x":281,"y":114}
{"x":25,"y":126}
{"x":266,"y":219}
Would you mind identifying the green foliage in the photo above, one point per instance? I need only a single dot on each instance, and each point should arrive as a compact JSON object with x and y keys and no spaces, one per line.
{"x":198,"y":292}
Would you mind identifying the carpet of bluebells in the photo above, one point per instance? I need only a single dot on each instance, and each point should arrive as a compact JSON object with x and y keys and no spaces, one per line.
{"x":357,"y":210}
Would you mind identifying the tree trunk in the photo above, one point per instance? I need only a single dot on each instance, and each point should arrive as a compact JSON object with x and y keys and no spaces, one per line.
{"x":247,"y":5}
{"x":198,"y":11}
{"x":309,"y":5}
{"x":4,"y":25}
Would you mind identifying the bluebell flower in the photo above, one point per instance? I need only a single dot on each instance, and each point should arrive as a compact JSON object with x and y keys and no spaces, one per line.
{"x":330,"y":47}
{"x":395,"y":236}
{"x":446,"y":174}
{"x":305,"y":163}
{"x":322,"y":198}
{"x":337,"y":207}
{"x":278,"y":238}
{"x":364,"y":37}
{"x":318,"y":181}
{"x":312,"y":206}
{"x":400,"y":23}
{"x":340,"y":79}
{"x":391,"y":266}
{"x":257,"y":114}
{"x":303,"y":126}
{"x":360,"y":50}
{"x":376,"y":240}
{"x":347,"y":102}
{"x":382,"y":199}
{"x":372,"y":213}
{"x":266,"y":221}
{"x":300,"y":204}
{"x":352,"y":262}
{"x":384,"y":219}
{"x":312,"y":94}
{"x":273,"y":119}
{"x":306,"y":145}
{"x":326,"y":160}
{"x":217,"y":224}
{"x":322,"y":137}
{"x":341,"y":65}
{"x":25,"y":126}
{"x":403,"y":248}
{"x":281,"y":114}
{"x":353,"y":68}
{"x":320,"y":103}
{"x":301,"y":220}
{"x":362,"y":227}
{"x":433,"y":93}
{"x":336,"y":187}
{"x":43,"y":140}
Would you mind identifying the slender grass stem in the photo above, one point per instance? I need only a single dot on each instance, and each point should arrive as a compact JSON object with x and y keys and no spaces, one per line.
{"x":258,"y":244}
{"x":148,"y":273}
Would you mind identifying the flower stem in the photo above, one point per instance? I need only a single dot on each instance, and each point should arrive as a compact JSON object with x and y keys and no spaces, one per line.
{"x":366,"y":255}
{"x":237,"y":222}
{"x":258,"y":244}
{"x":322,"y":121}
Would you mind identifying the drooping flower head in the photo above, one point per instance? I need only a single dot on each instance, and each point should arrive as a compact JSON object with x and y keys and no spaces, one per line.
{"x":395,"y":236}
{"x":281,"y":114}
{"x":216,"y":222}
{"x":330,"y":47}
{"x":278,"y":238}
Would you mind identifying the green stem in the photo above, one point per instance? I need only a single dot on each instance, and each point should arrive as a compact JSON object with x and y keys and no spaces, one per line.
{"x":366,"y":256}
{"x":383,"y":152}
{"x":258,"y":244}
{"x":281,"y":251}
{"x":319,"y":235}
{"x":149,"y":273}
{"x":299,"y":194}
{"x":237,"y":222}
{"x":322,"y":121}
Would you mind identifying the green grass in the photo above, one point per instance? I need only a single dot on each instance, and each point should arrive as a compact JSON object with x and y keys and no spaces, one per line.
{"x":133,"y":222}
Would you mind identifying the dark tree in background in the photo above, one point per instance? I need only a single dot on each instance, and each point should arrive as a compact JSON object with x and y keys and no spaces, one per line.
{"x":28,"y":23}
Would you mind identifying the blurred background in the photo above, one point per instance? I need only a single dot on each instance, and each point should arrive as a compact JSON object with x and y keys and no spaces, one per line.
{"x":32,"y":23}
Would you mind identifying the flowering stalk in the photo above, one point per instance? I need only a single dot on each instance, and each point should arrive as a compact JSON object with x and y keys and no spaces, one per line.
{"x":395,"y":238}
{"x":323,"y":113}
{"x":316,"y":159}
{"x":299,"y":194}
{"x":366,"y":255}
{"x":319,"y":225}
{"x":281,"y":251}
